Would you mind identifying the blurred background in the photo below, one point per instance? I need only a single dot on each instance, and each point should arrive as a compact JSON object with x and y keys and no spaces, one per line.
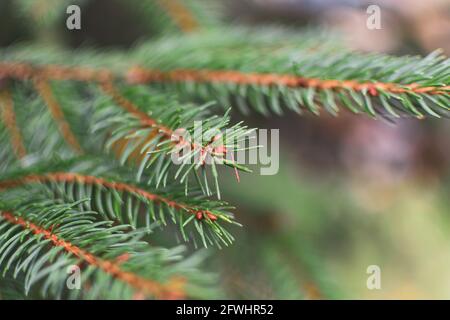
{"x":351,"y":191}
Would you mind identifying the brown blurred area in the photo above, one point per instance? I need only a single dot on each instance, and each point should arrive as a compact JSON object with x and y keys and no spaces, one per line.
{"x":417,"y":25}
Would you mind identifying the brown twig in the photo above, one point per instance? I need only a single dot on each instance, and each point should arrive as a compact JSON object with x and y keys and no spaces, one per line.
{"x":118,"y":186}
{"x":139,"y":75}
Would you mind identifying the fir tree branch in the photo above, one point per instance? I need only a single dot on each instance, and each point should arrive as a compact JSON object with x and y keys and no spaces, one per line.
{"x":40,"y":238}
{"x":138,"y":75}
{"x":109,"y":88}
{"x":307,"y":76}
{"x":68,"y":177}
{"x":196,"y":218}
{"x":27,"y":71}
{"x":310,"y":76}
{"x":152,"y":141}
{"x":175,"y":16}
{"x":142,"y":285}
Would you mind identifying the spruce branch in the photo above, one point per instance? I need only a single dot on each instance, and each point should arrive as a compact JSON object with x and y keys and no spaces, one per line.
{"x":123,"y":202}
{"x":141,"y":284}
{"x":307,"y":73}
{"x":34,"y":124}
{"x":314,"y":92}
{"x":139,"y":75}
{"x":144,"y":134}
{"x":311,"y":77}
{"x":41,"y":240}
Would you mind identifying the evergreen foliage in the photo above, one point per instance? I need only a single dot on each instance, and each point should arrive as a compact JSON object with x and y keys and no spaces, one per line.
{"x":86,"y":139}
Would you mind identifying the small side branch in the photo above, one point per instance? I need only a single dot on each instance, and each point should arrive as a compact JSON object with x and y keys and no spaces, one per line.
{"x":118,"y":186}
{"x":140,"y":75}
{"x":9,"y":118}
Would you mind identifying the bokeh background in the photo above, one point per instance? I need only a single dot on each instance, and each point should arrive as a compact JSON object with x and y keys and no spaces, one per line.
{"x":351,"y":191}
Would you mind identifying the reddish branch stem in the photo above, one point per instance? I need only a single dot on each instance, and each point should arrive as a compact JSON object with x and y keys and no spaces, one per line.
{"x":104,"y":78}
{"x":118,"y":186}
{"x":143,"y":285}
{"x":109,"y":88}
{"x":142,"y":75}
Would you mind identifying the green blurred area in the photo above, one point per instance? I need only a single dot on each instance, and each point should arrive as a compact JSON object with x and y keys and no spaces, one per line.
{"x":325,"y":233}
